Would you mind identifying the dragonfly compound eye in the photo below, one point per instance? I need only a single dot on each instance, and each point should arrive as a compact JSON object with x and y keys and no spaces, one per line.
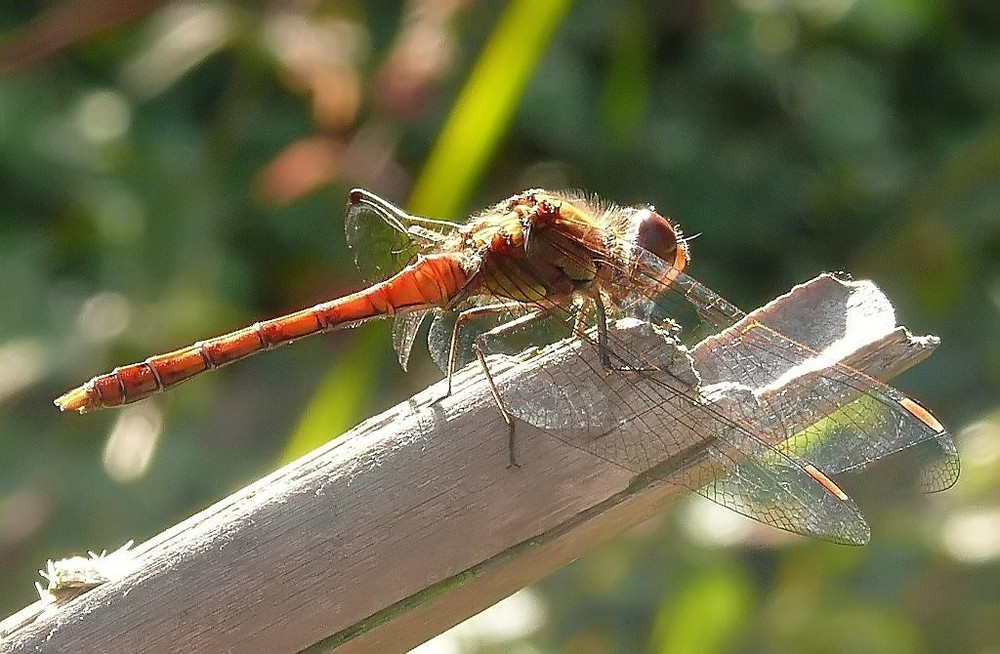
{"x":655,"y":234}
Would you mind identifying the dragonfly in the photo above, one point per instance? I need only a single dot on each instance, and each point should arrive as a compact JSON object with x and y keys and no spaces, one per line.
{"x":556,"y":264}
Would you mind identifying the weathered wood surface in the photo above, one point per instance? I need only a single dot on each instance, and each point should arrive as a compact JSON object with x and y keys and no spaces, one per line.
{"x":409,"y":523}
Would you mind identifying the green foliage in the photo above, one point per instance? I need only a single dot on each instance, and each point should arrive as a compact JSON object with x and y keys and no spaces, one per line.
{"x":483,"y":109}
{"x":703,"y":616}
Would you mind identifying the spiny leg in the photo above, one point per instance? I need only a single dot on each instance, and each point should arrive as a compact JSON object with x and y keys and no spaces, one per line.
{"x":478,"y":346}
{"x":580,"y":323}
{"x":604,"y":351}
{"x":601,"y":320}
{"x":462,"y":317}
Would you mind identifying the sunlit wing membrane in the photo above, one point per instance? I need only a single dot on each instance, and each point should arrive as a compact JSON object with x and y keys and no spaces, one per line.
{"x":384,"y":238}
{"x":645,"y":423}
{"x":404,"y":332}
{"x":775,"y":495}
{"x":838,"y":418}
{"x":867,"y":430}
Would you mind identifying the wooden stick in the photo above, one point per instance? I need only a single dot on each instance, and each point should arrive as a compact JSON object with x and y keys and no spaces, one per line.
{"x":409,"y":523}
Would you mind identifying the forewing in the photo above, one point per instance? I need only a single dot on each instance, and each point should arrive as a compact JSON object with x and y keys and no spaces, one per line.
{"x":834,"y":416}
{"x":825,"y":412}
{"x":872,"y":428}
{"x":775,"y":495}
{"x":645,"y":421}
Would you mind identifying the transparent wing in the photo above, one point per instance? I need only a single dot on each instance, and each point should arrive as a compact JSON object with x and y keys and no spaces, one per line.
{"x":837,"y":417}
{"x":384,"y":238}
{"x":645,"y":420}
{"x":404,"y":332}
{"x":378,"y":240}
{"x":840,"y":442}
{"x":832,"y":415}
{"x":774,"y":494}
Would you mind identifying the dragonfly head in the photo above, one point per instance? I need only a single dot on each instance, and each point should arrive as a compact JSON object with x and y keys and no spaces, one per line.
{"x":656,"y":235}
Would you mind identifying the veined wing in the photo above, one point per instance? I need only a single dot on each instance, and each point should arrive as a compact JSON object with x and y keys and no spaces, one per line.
{"x":834,"y":416}
{"x":383,"y":239}
{"x":662,"y":401}
{"x":771,"y":444}
{"x":838,"y":418}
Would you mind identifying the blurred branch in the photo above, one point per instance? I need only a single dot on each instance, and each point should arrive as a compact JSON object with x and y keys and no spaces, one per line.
{"x":408,"y":524}
{"x":66,"y":25}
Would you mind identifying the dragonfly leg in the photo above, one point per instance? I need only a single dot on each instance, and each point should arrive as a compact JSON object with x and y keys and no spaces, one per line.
{"x":604,"y":351}
{"x":601,"y":323}
{"x":601,"y":320}
{"x":463,"y":317}
{"x":504,"y":412}
{"x":478,"y":344}
{"x":580,"y":324}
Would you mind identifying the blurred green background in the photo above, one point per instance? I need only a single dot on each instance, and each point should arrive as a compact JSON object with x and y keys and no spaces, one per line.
{"x":169,"y":171}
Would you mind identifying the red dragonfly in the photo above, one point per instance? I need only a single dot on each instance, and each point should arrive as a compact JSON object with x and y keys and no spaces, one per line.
{"x":565,"y":260}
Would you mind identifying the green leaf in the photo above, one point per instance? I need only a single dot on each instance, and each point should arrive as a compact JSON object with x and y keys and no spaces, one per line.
{"x":485,"y":106}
